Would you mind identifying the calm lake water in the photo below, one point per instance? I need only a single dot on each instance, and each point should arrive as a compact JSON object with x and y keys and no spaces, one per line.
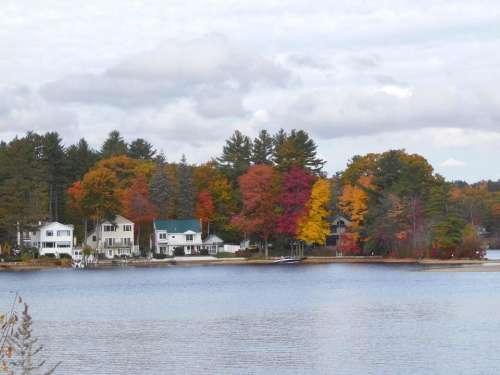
{"x":296,"y":319}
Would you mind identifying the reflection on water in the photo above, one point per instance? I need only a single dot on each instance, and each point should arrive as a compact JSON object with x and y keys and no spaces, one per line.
{"x":493,"y":254}
{"x":327,"y":319}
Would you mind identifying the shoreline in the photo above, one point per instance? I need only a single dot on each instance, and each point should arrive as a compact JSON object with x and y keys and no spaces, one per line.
{"x":186,"y":261}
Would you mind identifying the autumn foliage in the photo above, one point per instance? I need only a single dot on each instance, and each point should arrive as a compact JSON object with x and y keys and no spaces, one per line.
{"x":260,"y":190}
{"x":205,"y":208}
{"x":295,"y":194}
{"x":314,"y":226}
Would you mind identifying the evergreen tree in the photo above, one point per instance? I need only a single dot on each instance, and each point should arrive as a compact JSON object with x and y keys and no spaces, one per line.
{"x":262,"y":150}
{"x":160,"y":187}
{"x":141,"y":149}
{"x":279,"y":138}
{"x":56,"y":169}
{"x":23,"y":186}
{"x":296,"y":149}
{"x":114,"y":145}
{"x":186,"y":196}
{"x":236,"y":156}
{"x":80,"y":158}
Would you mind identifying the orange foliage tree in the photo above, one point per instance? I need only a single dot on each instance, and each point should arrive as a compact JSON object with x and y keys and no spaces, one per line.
{"x":354,"y":202}
{"x":99,"y":198}
{"x":207,"y":177}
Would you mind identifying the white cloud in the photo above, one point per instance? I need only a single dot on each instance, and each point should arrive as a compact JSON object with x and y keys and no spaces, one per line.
{"x":211,"y":70}
{"x":22,"y":110}
{"x":453,"y":163}
{"x":397,"y":91}
{"x":422,"y":75}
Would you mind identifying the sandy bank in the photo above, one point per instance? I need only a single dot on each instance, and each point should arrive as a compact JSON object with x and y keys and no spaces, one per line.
{"x":447,"y":265}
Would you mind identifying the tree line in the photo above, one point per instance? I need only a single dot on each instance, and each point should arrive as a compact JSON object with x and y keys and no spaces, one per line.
{"x":270,"y":189}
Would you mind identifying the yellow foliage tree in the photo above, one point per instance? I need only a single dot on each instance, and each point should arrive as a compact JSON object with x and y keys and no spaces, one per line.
{"x":354,"y":201}
{"x":314,"y":226}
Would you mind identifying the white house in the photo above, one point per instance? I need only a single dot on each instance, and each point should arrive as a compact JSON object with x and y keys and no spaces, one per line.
{"x":213,"y":244}
{"x":114,"y":238}
{"x":172,"y":234}
{"x":52,"y":238}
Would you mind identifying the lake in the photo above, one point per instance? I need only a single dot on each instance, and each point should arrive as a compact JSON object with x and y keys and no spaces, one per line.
{"x":296,"y":319}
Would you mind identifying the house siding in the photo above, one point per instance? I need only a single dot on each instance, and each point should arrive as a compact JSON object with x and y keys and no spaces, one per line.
{"x":117,"y":242}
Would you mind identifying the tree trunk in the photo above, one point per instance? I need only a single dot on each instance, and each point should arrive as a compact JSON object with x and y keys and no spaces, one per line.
{"x":138,"y":235}
{"x":266,"y":248}
{"x":85,"y":229}
{"x":56,"y":206}
{"x":50,"y":202}
{"x":98,"y":238}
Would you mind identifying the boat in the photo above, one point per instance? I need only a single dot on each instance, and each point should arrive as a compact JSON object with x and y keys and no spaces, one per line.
{"x":289,"y":260}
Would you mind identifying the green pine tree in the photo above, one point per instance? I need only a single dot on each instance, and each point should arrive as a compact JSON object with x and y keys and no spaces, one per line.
{"x":186,"y":195}
{"x":114,"y":145}
{"x":56,"y":173}
{"x":160,"y":189}
{"x":80,"y":158}
{"x":296,"y":148}
{"x":236,"y":156}
{"x":262,"y":150}
{"x":141,"y":149}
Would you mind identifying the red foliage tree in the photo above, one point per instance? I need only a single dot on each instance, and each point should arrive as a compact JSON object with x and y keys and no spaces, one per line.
{"x":348,"y":244}
{"x":205,"y":209}
{"x":260,"y":191}
{"x":296,"y":191}
{"x":137,"y":206}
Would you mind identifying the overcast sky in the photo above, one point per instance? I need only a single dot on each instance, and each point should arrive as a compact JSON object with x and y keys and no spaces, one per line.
{"x":359,"y":76}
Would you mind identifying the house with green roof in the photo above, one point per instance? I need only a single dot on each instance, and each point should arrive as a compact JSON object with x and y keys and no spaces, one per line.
{"x":178,"y":233}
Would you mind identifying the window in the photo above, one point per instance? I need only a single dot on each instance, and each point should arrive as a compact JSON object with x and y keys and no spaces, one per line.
{"x":65,"y":233}
{"x":126,"y":241}
{"x":163,"y":236}
{"x":48,"y":245}
{"x":189,"y":237}
{"x":108,"y":241}
{"x":64,"y":244}
{"x":49,"y":233}
{"x":127,"y":228}
{"x":109,"y":228}
{"x":94,"y":238}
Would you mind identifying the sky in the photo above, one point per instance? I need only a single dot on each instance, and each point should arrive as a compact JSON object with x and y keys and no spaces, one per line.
{"x":359,"y":76}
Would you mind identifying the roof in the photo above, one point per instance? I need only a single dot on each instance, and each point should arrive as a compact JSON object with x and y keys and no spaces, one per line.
{"x":178,"y":225}
{"x":212,"y":239}
{"x":342,"y":217}
{"x":55,"y":224}
{"x":119,"y":219}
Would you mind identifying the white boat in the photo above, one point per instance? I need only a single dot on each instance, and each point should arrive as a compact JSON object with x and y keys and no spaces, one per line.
{"x":288,"y":260}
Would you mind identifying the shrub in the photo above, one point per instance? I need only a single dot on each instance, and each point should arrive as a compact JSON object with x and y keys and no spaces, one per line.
{"x":159,"y":256}
{"x":87,"y":251}
{"x":244,"y":253}
{"x":203,"y":252}
{"x":224,"y":254}
{"x":64,"y":256}
{"x":348,"y":244}
{"x":471,"y":246}
{"x":49,"y":255}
